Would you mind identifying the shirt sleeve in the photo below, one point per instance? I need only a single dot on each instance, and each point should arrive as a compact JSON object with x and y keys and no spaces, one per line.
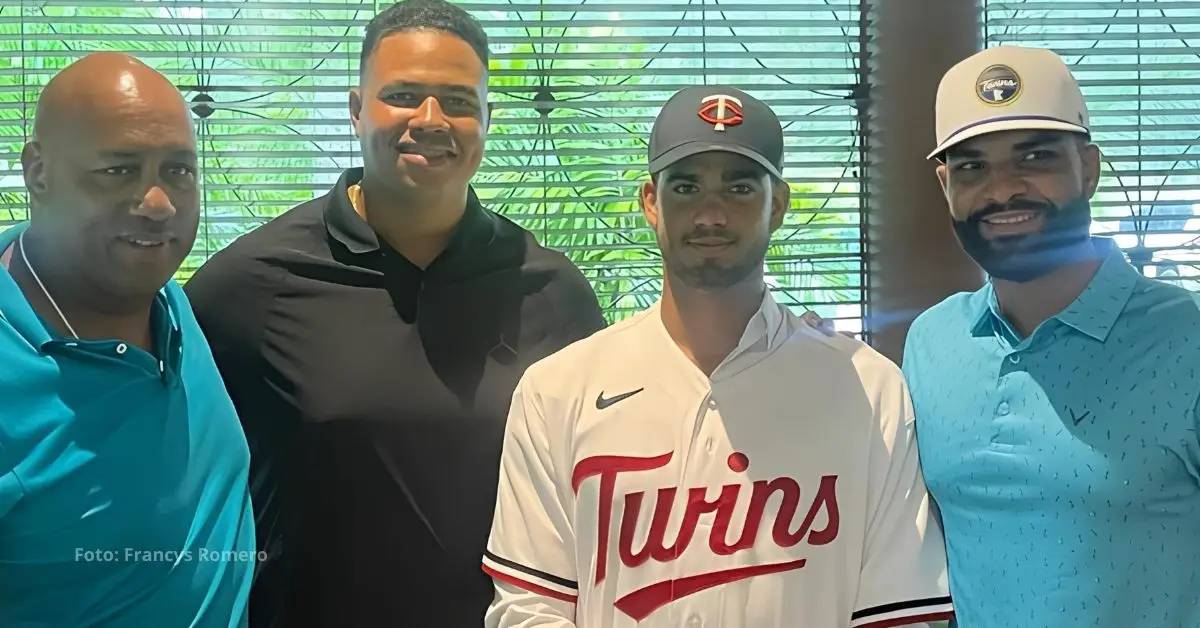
{"x":1195,"y":411}
{"x":530,"y":553}
{"x":11,"y":413}
{"x":575,"y":305}
{"x":904,"y":580}
{"x":231,"y":296}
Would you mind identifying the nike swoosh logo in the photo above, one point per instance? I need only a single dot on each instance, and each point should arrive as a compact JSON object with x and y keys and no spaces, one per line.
{"x":602,"y":403}
{"x":641,"y":603}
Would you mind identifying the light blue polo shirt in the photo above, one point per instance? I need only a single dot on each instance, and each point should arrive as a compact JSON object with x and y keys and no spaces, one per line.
{"x":1066,"y":465}
{"x":123,"y":495}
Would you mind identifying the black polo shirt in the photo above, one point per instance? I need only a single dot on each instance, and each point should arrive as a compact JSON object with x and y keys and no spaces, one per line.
{"x":374,"y":394}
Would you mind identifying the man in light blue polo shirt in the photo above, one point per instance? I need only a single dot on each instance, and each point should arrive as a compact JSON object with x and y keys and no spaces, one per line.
{"x":123,"y":468}
{"x":1056,"y":407}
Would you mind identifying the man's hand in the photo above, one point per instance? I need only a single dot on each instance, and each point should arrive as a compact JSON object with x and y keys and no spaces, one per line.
{"x":811,"y":319}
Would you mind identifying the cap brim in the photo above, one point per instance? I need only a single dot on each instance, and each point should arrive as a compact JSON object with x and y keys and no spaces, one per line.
{"x":1006,"y":124}
{"x":683,"y":151}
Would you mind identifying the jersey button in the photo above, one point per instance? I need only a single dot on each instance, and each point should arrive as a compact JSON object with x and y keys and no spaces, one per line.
{"x":121,"y":349}
{"x":1015,"y":358}
{"x":694,"y":621}
{"x":1002,"y":409}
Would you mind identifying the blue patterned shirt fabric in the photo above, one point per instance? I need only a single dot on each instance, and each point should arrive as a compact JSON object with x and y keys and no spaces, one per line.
{"x":1066,"y":465}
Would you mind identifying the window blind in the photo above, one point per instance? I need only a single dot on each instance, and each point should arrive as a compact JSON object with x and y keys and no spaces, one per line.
{"x":575,"y":87}
{"x":1139,"y":67}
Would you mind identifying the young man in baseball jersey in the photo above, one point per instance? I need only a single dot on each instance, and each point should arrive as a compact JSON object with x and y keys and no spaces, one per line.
{"x":1057,"y":405}
{"x":712,"y":461}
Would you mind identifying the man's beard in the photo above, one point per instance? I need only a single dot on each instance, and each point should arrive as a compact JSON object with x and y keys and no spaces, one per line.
{"x":710,"y":274}
{"x":1023,"y":258}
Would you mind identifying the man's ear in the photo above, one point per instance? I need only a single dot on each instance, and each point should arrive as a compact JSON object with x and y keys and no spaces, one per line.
{"x":33,"y":168}
{"x":781,"y":200}
{"x":356,"y":109}
{"x":649,"y":202}
{"x":1093,"y":162}
{"x":943,"y":176}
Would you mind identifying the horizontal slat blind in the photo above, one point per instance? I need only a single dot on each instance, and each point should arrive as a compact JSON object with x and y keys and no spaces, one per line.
{"x":575,"y":86}
{"x":277,"y":73}
{"x":606,"y":68}
{"x":1139,"y":67}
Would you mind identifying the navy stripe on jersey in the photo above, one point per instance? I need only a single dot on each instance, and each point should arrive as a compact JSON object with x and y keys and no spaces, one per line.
{"x":529,"y":579}
{"x":900,"y":606}
{"x":531,"y":572}
{"x":903,"y":613}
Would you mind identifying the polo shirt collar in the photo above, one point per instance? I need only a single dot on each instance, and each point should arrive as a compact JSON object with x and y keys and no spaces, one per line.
{"x":17,"y":312}
{"x":1100,"y":305}
{"x":1094,"y":311}
{"x":476,"y":228}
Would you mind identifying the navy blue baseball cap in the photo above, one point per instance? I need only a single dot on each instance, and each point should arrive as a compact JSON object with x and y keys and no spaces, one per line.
{"x":713,"y":118}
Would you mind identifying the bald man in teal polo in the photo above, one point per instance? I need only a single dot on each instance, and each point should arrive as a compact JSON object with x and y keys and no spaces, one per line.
{"x":1056,"y":407}
{"x":123,"y":468}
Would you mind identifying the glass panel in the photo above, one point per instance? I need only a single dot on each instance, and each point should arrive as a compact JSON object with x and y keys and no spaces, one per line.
{"x":575,"y":87}
{"x":1139,"y":68}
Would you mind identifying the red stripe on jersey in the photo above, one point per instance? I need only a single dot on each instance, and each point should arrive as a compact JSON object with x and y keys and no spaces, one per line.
{"x":905,"y":621}
{"x":529,"y":586}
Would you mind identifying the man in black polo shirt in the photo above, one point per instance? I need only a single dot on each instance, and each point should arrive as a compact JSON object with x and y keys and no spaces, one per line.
{"x":371,"y":340}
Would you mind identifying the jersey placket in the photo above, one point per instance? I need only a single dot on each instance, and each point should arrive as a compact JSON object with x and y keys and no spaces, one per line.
{"x":703,"y":464}
{"x":697,"y":447}
{"x":699,"y":464}
{"x":692,"y":466}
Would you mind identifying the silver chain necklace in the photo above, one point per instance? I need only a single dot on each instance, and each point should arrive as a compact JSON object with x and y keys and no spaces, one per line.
{"x":53,"y":303}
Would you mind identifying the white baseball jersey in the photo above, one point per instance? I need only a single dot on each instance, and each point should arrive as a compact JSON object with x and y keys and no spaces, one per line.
{"x":781,"y":492}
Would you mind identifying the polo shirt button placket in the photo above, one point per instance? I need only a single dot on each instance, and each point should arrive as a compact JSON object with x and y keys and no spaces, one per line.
{"x":1002,"y":409}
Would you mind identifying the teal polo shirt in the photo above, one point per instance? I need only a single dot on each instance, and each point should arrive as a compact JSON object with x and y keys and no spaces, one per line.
{"x":123,"y":477}
{"x":1066,"y":465}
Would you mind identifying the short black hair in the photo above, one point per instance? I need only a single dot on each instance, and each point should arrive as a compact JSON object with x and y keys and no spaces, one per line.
{"x":427,"y":15}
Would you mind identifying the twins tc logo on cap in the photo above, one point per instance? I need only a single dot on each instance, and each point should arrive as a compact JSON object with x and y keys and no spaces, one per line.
{"x":998,"y":85}
{"x":721,"y":111}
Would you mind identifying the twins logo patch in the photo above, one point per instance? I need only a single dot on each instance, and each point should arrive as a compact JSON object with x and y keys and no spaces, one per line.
{"x":998,"y":85}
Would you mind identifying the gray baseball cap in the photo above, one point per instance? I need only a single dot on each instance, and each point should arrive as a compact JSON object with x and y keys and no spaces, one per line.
{"x":713,"y":118}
